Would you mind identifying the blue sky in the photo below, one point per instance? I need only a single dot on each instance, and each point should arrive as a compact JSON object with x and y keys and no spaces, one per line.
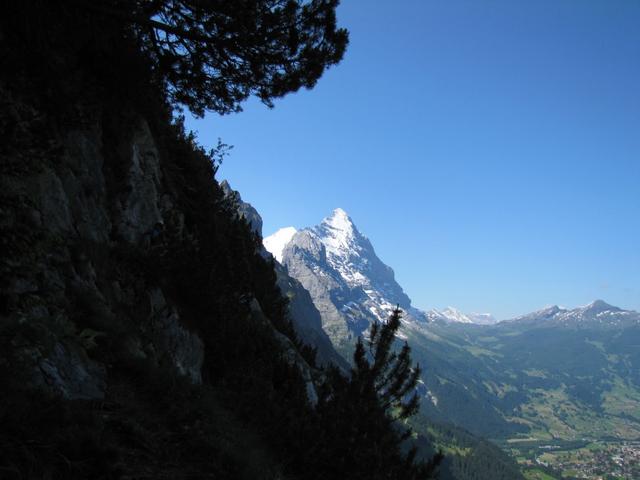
{"x":489,"y":149}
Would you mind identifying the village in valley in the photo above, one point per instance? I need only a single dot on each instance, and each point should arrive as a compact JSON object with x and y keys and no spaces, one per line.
{"x":593,"y":461}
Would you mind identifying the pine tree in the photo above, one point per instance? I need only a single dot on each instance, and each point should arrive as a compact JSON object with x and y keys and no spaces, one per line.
{"x":213,"y":54}
{"x":361,"y":414}
{"x":387,"y":372}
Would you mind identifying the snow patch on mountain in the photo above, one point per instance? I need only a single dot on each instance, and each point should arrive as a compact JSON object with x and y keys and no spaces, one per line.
{"x":453,"y":315}
{"x":276,"y":242}
{"x":338,"y":234}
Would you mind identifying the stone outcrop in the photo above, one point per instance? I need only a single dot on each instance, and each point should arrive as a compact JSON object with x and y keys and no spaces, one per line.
{"x":65,"y":210}
{"x":290,"y":352}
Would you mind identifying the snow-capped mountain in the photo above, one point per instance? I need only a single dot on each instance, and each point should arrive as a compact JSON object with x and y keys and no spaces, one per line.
{"x":453,"y":315}
{"x":352,"y":255}
{"x":349,"y":284}
{"x":596,"y":314}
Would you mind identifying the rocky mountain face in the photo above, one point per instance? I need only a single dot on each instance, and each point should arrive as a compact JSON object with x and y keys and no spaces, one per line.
{"x":244,"y":209}
{"x":350,"y":286}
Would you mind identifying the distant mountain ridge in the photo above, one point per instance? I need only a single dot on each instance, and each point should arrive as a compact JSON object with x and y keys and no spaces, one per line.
{"x":451,"y":314}
{"x":596,"y":314}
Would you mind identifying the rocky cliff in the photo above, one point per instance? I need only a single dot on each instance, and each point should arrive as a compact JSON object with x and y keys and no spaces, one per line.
{"x":68,"y":218}
{"x":124,"y":271}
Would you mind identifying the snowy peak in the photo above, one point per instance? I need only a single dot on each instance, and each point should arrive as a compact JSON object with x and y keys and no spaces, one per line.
{"x":349,"y":284}
{"x":351,"y":254}
{"x":453,"y":315}
{"x":597,"y":307}
{"x":547,"y":313}
{"x":339,"y":220}
{"x":335,"y":260}
{"x":339,"y":235}
{"x":276,"y":242}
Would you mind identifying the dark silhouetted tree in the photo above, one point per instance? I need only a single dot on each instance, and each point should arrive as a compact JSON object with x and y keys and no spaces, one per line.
{"x":387,"y":372}
{"x":360,"y":416}
{"x":213,"y":54}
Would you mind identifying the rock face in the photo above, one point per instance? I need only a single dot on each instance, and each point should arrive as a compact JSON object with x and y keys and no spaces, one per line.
{"x":307,"y":320}
{"x":350,"y":286}
{"x":67,"y":213}
{"x":245,"y":210}
{"x":184,"y":349}
{"x":291,"y":354}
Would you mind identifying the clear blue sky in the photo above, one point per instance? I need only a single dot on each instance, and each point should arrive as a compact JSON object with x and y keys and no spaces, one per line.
{"x":489,"y":149}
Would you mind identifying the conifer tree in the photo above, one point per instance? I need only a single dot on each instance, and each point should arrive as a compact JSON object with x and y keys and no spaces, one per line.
{"x":213,"y":54}
{"x":359,"y":414}
{"x":387,"y":372}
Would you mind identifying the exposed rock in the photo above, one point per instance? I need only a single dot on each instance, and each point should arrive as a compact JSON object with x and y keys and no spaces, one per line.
{"x":307,"y":320}
{"x":245,"y":210}
{"x":300,"y":256}
{"x":53,"y":203}
{"x":61,"y":291}
{"x":184,"y":348}
{"x":69,"y":372}
{"x":139,"y":210}
{"x":291,"y":353}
